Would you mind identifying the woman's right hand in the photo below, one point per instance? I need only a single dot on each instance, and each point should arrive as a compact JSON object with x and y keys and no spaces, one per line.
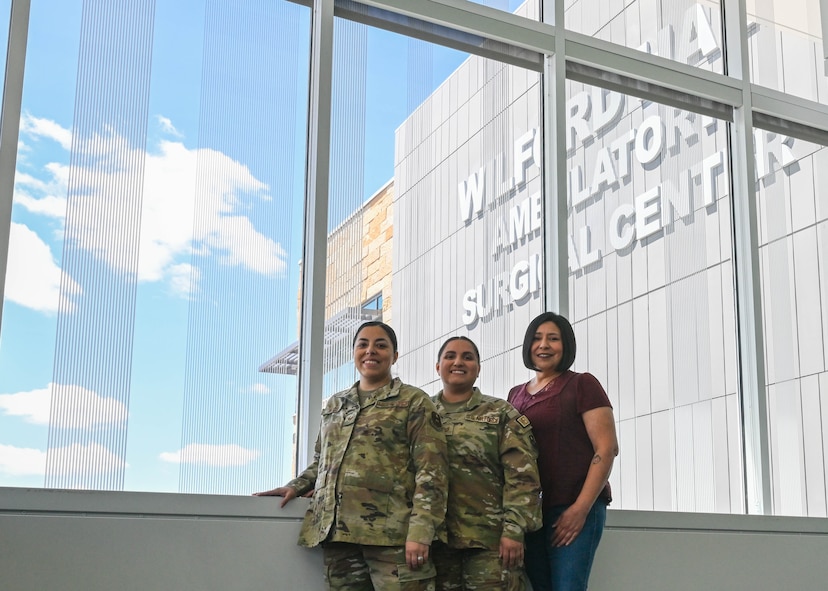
{"x":283,"y":491}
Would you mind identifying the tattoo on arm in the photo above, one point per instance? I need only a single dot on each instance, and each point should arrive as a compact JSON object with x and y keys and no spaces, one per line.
{"x":596,"y":459}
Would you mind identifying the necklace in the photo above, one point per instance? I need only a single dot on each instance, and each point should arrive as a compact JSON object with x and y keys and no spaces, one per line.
{"x":544,"y":387}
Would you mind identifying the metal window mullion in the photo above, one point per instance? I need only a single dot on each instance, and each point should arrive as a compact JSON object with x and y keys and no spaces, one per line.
{"x":315,"y":240}
{"x":823,"y":17}
{"x":10,"y":126}
{"x":652,"y":69}
{"x":753,"y":393}
{"x":799,"y":111}
{"x":553,"y":109}
{"x":477,"y":19}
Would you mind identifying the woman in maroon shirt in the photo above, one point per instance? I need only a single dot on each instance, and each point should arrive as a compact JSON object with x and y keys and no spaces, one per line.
{"x":574,"y":427}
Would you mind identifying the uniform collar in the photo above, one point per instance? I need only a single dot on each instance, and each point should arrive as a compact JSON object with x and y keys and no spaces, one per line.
{"x":471,"y":403}
{"x":389,"y":390}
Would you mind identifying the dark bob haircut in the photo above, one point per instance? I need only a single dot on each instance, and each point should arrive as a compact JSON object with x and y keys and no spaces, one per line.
{"x":460,"y":338}
{"x":388,"y":330}
{"x":567,"y":338}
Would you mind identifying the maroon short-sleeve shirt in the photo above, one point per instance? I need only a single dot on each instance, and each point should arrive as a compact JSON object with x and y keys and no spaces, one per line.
{"x":564,"y":448}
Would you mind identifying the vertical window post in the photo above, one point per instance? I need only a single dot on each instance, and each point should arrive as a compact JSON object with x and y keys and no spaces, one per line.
{"x":311,"y":342}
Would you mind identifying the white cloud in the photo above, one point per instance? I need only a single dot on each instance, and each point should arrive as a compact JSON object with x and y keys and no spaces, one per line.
{"x":183,"y":279}
{"x":168,"y":232}
{"x":263,"y":254}
{"x":167,"y":126}
{"x":50,"y":190}
{"x":55,"y":179}
{"x":32,"y":406}
{"x":24,"y":179}
{"x":45,"y":128}
{"x":259,"y":388}
{"x":33,"y":277}
{"x":50,"y":206}
{"x":168,"y":211}
{"x":22,"y":461}
{"x":211,"y":455}
{"x":60,"y":176}
{"x":92,"y":458}
{"x":78,"y":408}
{"x":75,"y":407}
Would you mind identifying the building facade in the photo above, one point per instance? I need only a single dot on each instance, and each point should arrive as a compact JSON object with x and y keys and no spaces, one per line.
{"x":654,"y":170}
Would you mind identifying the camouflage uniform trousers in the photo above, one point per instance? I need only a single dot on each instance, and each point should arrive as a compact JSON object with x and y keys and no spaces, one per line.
{"x":474,"y":569}
{"x":355,"y":567}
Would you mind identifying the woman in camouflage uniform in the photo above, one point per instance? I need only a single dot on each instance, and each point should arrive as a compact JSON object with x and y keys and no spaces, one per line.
{"x":493,"y":482}
{"x":379,"y":477}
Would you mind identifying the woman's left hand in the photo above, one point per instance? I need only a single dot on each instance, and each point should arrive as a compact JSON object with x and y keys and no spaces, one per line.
{"x":416,"y":555}
{"x":568,"y":526}
{"x":600,"y":427}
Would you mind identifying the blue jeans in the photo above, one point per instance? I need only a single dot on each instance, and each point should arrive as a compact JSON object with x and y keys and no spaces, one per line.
{"x":565,"y":568}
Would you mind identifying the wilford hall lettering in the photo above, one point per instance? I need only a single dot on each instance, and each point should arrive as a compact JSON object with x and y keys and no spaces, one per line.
{"x":664,"y":138}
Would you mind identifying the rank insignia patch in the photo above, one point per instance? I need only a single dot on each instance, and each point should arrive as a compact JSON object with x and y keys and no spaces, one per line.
{"x":436,"y":421}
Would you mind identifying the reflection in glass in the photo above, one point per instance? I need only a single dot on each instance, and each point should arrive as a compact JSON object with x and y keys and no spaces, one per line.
{"x":439,"y":211}
{"x":786,"y":51}
{"x":525,"y":8}
{"x":652,"y":299}
{"x":687,"y":31}
{"x":792,"y":190}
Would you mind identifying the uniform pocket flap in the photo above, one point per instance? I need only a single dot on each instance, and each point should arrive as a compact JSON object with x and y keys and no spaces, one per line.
{"x":369,"y":480}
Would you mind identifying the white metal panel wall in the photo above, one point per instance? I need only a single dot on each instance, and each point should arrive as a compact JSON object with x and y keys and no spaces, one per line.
{"x":470,"y":123}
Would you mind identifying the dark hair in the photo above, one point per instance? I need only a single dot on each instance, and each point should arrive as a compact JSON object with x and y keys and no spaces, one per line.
{"x":461,"y":338}
{"x":388,"y":330}
{"x":567,"y":338}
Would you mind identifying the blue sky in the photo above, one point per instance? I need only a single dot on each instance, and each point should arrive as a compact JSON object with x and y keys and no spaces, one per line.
{"x":28,"y":330}
{"x":173,"y":262}
{"x":166,"y":290}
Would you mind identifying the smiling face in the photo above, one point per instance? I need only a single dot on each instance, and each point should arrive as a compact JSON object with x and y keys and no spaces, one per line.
{"x":373,"y":357}
{"x":547,"y":348}
{"x":458,"y":366}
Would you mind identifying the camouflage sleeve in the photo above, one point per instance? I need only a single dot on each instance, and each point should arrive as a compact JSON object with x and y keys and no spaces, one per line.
{"x":430,"y":459}
{"x":306,"y":481}
{"x":521,"y":482}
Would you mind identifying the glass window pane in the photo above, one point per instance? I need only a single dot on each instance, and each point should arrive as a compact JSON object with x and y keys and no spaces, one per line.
{"x":793,"y":254}
{"x":5,"y":15}
{"x":651,"y":295}
{"x":687,"y":31}
{"x":786,"y":53}
{"x":155,"y":243}
{"x":525,"y":8}
{"x":425,"y":207}
{"x":33,"y":274}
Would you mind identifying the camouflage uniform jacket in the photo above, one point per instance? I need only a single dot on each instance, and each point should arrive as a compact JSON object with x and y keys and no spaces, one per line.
{"x":494,"y":487}
{"x":380,"y":472}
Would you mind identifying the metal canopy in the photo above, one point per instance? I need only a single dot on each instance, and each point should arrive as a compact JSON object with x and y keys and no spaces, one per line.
{"x":338,"y":330}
